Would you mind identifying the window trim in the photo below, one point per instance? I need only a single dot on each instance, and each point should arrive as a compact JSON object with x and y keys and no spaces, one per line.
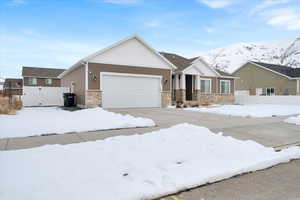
{"x":229,"y":89}
{"x":206,"y":79}
{"x":270,"y":88}
{"x":47,"y":82}
{"x":30,"y":82}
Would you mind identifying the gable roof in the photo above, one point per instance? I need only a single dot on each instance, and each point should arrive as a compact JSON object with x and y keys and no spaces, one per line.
{"x":41,"y":72}
{"x":183,"y":63}
{"x":281,"y":69}
{"x":179,"y":61}
{"x":222,"y":73}
{"x":88,"y":58}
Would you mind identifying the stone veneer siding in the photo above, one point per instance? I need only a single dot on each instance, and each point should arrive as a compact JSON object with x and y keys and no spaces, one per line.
{"x":166,"y":98}
{"x":93,"y":98}
{"x":215,"y":98}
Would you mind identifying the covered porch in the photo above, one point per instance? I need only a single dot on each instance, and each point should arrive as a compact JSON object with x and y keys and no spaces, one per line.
{"x":196,"y":88}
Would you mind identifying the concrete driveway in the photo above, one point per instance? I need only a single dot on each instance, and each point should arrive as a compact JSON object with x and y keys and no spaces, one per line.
{"x":267,"y":131}
{"x":279,"y":182}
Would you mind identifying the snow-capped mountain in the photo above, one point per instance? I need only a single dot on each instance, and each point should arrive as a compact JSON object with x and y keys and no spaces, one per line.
{"x":231,"y":57}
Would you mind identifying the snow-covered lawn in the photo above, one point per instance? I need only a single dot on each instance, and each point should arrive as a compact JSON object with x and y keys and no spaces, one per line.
{"x":132,"y":167}
{"x":37,"y":121}
{"x":293,"y":120}
{"x":253,"y":110}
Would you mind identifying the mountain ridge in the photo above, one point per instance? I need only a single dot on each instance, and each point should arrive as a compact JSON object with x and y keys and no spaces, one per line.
{"x":231,"y":57}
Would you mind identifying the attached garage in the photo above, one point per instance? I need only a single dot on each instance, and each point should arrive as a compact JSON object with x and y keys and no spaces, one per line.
{"x":127,"y":74}
{"x":120,"y":90}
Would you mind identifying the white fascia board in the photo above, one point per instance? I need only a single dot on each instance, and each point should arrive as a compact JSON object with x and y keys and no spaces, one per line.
{"x":127,"y":74}
{"x":186,"y":69}
{"x":88,"y":58}
{"x":232,"y":77}
{"x":76,"y":65}
{"x":205,"y":63}
{"x":240,"y":67}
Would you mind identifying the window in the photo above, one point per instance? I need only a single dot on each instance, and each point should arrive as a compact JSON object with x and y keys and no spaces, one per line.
{"x":48,"y":81}
{"x":270,"y":91}
{"x":225,"y":86}
{"x":32,"y":81}
{"x":205,"y":86}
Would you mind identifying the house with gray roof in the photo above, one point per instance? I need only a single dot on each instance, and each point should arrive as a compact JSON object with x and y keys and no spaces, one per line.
{"x":194,"y":80}
{"x":257,"y":78}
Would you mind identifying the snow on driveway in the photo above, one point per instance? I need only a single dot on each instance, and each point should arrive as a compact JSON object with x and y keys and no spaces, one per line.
{"x":132,"y":167}
{"x":293,"y":120}
{"x":37,"y":121}
{"x":253,"y":110}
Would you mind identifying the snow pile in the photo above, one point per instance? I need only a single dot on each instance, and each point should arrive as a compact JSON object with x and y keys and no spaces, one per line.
{"x":293,"y":120}
{"x":37,"y":121}
{"x":252,"y":110}
{"x":231,"y":57}
{"x":132,"y":167}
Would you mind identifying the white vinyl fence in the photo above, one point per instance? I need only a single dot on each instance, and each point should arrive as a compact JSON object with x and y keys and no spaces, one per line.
{"x":282,"y":100}
{"x":43,"y":96}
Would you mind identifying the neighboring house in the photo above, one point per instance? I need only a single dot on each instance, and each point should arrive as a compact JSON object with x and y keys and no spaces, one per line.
{"x":195,"y":81}
{"x":42,"y":87}
{"x":1,"y":85}
{"x":42,"y":77}
{"x":12,"y":87}
{"x":258,"y":78}
{"x":128,"y":73}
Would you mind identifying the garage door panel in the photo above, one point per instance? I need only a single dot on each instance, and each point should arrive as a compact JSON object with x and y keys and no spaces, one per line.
{"x":130,"y":91}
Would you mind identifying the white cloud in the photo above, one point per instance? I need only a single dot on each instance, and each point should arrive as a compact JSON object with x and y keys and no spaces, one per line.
{"x":268,"y":4}
{"x":16,"y":2}
{"x":209,"y":29}
{"x":40,"y":51}
{"x":289,"y":18}
{"x":217,"y":3}
{"x":30,"y":32}
{"x":152,"y":24}
{"x":207,"y":42}
{"x":121,"y":1}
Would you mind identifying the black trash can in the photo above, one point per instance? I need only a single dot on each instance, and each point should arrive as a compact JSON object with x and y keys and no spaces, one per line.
{"x":69,"y":99}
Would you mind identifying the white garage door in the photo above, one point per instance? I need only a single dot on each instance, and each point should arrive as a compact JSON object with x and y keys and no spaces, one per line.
{"x":130,"y":90}
{"x":43,"y":96}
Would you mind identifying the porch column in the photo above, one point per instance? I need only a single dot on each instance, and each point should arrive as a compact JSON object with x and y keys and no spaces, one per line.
{"x":182,"y":81}
{"x":176,"y":87}
{"x":197,"y":82}
{"x":180,"y":92}
{"x":198,"y":92}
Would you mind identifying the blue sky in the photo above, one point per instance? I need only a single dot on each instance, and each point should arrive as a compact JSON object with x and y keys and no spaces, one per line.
{"x":57,"y":33}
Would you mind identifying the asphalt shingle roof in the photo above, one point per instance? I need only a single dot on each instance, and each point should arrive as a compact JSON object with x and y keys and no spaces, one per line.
{"x":285,"y":70}
{"x":182,"y":63}
{"x":41,"y":72}
{"x":13,"y":83}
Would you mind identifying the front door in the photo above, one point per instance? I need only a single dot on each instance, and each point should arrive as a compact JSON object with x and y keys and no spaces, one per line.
{"x":189,"y":87}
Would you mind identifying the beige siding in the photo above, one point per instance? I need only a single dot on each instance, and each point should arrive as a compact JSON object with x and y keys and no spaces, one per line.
{"x":96,"y":68}
{"x":252,"y":77}
{"x":41,"y":82}
{"x":78,"y":77}
{"x":232,"y":82}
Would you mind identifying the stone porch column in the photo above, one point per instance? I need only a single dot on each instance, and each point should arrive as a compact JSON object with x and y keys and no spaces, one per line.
{"x":180,"y":87}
